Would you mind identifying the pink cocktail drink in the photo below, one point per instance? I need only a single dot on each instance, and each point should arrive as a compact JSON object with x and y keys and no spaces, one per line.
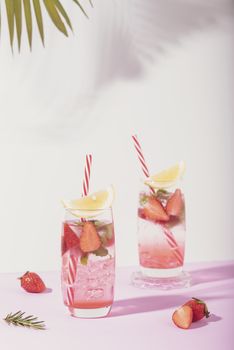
{"x":161,"y":231}
{"x":88,"y":264}
{"x":161,"y":227}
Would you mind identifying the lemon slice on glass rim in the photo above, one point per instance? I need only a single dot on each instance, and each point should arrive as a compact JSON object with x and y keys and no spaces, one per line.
{"x":92,"y":204}
{"x":166,"y":178}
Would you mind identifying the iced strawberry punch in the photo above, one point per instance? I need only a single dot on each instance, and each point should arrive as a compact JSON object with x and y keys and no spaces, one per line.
{"x":161,"y":224}
{"x":88,"y":255}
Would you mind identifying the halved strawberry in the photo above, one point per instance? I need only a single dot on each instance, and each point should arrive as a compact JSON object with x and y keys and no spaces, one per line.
{"x":175,"y":203}
{"x":182,"y":317}
{"x":89,"y":239}
{"x":70,"y":239}
{"x":154,"y":210}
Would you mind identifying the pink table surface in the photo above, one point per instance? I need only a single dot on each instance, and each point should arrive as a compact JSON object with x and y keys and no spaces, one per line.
{"x":139,"y":318}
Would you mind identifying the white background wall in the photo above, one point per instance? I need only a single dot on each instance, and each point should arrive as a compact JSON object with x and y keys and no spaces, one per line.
{"x":161,"y":69}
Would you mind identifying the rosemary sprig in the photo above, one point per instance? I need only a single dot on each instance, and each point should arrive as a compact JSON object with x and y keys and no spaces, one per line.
{"x":17,"y":319}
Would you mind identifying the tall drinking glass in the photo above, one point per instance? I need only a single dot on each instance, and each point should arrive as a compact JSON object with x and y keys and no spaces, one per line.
{"x":88,"y":262}
{"x":161,"y":237}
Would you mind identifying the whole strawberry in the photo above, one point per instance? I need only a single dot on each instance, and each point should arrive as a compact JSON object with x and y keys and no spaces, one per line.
{"x":32,"y":282}
{"x":199,"y":308}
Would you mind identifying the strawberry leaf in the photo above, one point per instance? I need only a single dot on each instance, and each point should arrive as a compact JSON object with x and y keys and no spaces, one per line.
{"x":199,"y":301}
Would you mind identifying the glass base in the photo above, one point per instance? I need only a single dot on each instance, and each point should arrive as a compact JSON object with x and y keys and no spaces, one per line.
{"x":89,"y":313}
{"x":183,"y":280}
{"x":152,"y":272}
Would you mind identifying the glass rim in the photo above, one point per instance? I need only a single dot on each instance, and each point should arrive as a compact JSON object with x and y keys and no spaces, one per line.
{"x":87,"y":210}
{"x":144,"y":179}
{"x":165,"y":185}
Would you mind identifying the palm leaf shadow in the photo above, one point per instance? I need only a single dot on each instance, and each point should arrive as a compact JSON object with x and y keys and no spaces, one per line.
{"x":140,"y":31}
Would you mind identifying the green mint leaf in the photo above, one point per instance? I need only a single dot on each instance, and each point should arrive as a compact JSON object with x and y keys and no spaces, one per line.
{"x":109,"y":231}
{"x":78,"y":223}
{"x":106,"y":233}
{"x":104,"y":239}
{"x":84,"y":259}
{"x":162,"y":194}
{"x":143,"y":199}
{"x":161,"y":190}
{"x":97,"y":223}
{"x":102,"y":251}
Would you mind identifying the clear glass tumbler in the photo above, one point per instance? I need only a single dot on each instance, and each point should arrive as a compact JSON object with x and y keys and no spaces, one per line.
{"x":161,"y":237}
{"x":88,"y":262}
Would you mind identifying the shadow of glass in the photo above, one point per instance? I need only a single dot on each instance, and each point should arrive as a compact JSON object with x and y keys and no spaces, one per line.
{"x":126,"y":307}
{"x":212,"y":274}
{"x":145,"y":304}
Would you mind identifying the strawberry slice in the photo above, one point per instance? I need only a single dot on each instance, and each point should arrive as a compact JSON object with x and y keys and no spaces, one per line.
{"x":70,"y":239}
{"x":89,"y":239}
{"x":154,"y":210}
{"x":183,"y":317}
{"x":175,"y":203}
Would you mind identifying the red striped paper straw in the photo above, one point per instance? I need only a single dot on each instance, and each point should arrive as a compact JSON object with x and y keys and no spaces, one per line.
{"x":140,"y":156}
{"x":72,"y":267}
{"x":168,"y":234}
{"x":88,"y":164}
{"x":173,"y":244}
{"x":71,"y":278}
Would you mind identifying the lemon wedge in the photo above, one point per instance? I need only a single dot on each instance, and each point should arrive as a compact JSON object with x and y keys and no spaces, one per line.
{"x":89,"y":205}
{"x":168,"y":177}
